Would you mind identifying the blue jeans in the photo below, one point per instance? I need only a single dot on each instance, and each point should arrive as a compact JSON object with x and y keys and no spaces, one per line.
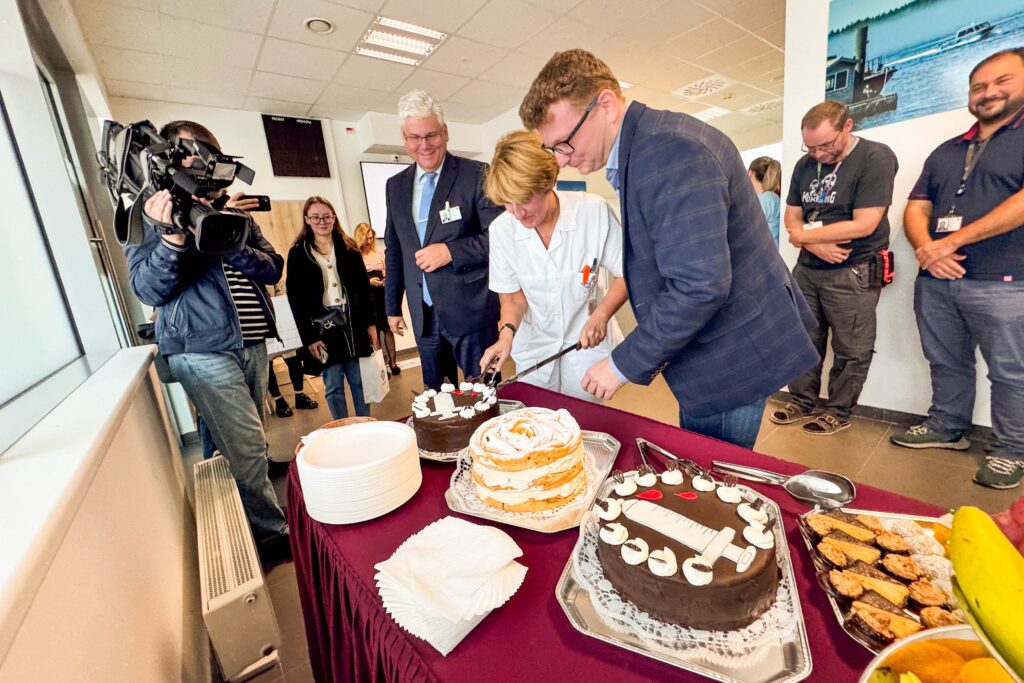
{"x":334,"y":388}
{"x":955,"y":317}
{"x":227,"y":389}
{"x":443,"y":354}
{"x":739,"y":425}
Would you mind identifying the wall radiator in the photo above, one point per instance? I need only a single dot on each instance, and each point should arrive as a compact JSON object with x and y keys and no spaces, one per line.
{"x":237,"y":609}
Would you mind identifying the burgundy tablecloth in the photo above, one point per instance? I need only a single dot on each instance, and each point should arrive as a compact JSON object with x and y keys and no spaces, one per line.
{"x":352,"y":639}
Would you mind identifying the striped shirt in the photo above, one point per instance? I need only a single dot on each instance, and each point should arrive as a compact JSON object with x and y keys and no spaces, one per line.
{"x":251,"y":315}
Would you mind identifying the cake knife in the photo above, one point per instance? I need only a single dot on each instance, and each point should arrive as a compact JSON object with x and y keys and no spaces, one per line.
{"x":550,"y":359}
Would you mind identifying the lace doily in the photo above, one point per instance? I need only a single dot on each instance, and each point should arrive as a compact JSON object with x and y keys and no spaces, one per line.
{"x":737,"y":648}
{"x":463,"y":493}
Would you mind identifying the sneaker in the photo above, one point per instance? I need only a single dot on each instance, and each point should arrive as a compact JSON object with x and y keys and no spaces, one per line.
{"x":303,"y":402}
{"x":789,"y":413}
{"x":282,"y":408}
{"x":824,"y":425}
{"x":395,"y":370}
{"x":921,"y":436}
{"x":1000,"y":473}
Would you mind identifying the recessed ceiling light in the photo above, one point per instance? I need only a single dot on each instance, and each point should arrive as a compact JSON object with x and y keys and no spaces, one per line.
{"x":398,"y":41}
{"x":318,"y":25}
{"x":624,"y":85}
{"x":711,"y":113}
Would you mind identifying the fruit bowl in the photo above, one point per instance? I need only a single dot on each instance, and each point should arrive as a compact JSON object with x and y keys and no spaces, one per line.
{"x":960,"y":646}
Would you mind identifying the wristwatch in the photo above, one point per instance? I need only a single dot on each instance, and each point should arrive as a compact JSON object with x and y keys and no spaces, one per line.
{"x":509,"y":326}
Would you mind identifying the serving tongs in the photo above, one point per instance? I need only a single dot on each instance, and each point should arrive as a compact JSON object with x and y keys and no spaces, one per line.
{"x":691,"y":468}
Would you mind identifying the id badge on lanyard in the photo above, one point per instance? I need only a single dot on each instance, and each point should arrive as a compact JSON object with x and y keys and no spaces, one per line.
{"x":953,"y":221}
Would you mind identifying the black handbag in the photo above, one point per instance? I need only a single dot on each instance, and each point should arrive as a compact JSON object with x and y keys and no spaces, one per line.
{"x":336,"y":319}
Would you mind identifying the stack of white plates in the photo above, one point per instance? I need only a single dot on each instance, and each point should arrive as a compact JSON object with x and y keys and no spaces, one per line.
{"x":358,"y":472}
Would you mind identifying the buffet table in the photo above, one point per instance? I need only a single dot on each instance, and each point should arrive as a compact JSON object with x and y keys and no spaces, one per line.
{"x":352,"y":639}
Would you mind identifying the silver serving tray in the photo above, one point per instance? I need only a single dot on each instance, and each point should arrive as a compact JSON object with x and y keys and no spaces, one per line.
{"x":604,"y":448}
{"x":504,"y":406}
{"x":842,"y":615}
{"x":788,"y":662}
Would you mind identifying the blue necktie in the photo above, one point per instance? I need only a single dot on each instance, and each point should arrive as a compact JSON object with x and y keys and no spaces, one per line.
{"x":429,"y":180}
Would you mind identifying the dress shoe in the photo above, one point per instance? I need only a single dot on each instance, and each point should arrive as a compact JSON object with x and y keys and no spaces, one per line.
{"x":303,"y":402}
{"x":282,"y":408}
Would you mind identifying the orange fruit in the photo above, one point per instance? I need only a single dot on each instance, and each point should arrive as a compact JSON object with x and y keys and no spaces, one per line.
{"x":983,"y":670}
{"x":968,"y":649}
{"x":932,"y":662}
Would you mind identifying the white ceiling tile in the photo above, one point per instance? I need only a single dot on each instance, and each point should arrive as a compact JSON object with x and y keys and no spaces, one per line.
{"x":288,"y":88}
{"x":667,"y":74}
{"x":129,"y":65}
{"x":203,"y":42}
{"x":664,"y":23}
{"x":133,"y":90}
{"x":298,"y":59}
{"x":440,"y":85}
{"x":756,"y":14}
{"x":372,"y":6}
{"x":336,"y":113}
{"x":441,"y":16}
{"x":775,"y":34}
{"x":723,"y":7}
{"x":517,"y":21}
{"x":118,"y":26}
{"x":149,"y":5}
{"x":463,"y":57}
{"x":745,"y":49}
{"x":241,"y":15}
{"x":469,"y":113}
{"x":705,"y":38}
{"x":188,"y":73}
{"x":610,"y":14}
{"x":557,"y":6}
{"x":566,"y":34}
{"x":349,"y":24}
{"x":514,"y":69}
{"x":504,"y":97}
{"x":368,"y":72}
{"x":204,"y":98}
{"x":682,"y":106}
{"x":268,"y":106}
{"x":347,"y":97}
{"x":736,"y":96}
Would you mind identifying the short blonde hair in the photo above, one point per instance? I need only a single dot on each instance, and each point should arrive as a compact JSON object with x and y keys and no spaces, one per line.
{"x":573,"y":75}
{"x":365,"y":237}
{"x":520,"y":169}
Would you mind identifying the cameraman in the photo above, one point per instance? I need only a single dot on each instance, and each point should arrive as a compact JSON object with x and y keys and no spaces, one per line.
{"x":213,"y":319}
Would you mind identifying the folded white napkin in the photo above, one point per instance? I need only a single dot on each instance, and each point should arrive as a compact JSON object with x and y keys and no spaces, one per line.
{"x":442,"y":581}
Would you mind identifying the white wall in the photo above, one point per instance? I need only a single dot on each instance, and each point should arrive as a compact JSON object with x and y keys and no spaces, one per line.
{"x":899,"y":377}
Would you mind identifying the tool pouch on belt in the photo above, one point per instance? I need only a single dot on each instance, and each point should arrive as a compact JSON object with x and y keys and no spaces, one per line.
{"x":881,"y":269}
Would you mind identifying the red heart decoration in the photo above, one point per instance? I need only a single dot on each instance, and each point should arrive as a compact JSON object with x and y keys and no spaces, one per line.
{"x":650,"y":494}
{"x":457,"y":393}
{"x":687,"y":495}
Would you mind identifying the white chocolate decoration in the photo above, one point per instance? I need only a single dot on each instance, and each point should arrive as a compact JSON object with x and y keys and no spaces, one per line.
{"x":649,"y":479}
{"x":634,"y":551}
{"x":662,"y":562}
{"x":693,"y":535}
{"x":626,"y":488}
{"x":694,"y":571}
{"x":465,"y":386}
{"x":703,"y":483}
{"x":613,"y":511}
{"x":614,"y":534}
{"x":729,"y":494}
{"x":672,"y":477}
{"x":447,"y":388}
{"x":479,"y":387}
{"x":749,"y":515}
{"x":467,"y":413}
{"x":430,"y":393}
{"x":759,"y":536}
{"x":420,"y":412}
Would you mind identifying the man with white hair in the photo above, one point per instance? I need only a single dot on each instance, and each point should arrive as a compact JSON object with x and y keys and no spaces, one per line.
{"x":436,"y":247}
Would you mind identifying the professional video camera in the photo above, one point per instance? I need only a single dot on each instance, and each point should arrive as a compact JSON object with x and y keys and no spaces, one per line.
{"x":136,"y":163}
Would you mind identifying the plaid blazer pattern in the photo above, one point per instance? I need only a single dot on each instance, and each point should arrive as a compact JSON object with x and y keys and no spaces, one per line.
{"x":717,"y":310}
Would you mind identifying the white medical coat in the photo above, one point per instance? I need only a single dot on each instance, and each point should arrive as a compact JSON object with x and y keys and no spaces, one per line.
{"x":558,"y":304}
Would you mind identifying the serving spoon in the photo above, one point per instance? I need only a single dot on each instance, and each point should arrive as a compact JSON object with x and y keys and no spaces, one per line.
{"x":817,"y":487}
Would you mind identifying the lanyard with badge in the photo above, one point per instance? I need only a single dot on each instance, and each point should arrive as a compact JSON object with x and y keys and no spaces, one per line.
{"x":822,"y":188}
{"x":953,"y":221}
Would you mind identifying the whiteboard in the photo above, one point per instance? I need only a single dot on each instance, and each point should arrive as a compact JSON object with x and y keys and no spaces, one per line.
{"x":375,"y":179}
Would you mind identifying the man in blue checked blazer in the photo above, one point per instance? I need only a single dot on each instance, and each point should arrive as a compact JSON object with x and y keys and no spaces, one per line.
{"x":436,"y":250}
{"x":717,"y":310}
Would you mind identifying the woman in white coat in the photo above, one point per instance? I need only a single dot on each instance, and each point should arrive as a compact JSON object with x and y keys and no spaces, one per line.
{"x":556,"y":265}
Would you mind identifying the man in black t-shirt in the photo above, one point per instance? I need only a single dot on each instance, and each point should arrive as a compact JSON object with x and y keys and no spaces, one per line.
{"x":965,"y":219}
{"x":836,"y":213}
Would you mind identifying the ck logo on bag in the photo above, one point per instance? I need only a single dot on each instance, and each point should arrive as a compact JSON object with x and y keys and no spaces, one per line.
{"x":329,"y":325}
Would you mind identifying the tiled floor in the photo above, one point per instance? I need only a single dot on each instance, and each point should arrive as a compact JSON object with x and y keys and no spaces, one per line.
{"x":862,"y":452}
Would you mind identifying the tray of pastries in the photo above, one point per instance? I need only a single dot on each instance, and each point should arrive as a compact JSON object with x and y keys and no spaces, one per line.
{"x":886,"y":575}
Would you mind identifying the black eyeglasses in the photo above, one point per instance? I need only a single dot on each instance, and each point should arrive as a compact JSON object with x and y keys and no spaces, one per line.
{"x":564,"y":147}
{"x":828,"y":145}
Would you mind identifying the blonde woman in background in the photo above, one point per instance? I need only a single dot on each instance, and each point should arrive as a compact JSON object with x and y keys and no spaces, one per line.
{"x":373,"y":259}
{"x":765,"y":174}
{"x":556,"y":265}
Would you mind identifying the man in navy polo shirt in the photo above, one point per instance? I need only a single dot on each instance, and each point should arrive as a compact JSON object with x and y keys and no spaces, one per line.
{"x":965,"y":219}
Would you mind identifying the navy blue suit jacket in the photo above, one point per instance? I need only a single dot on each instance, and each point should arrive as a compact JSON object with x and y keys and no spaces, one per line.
{"x":462,"y":301}
{"x":717,"y":309}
